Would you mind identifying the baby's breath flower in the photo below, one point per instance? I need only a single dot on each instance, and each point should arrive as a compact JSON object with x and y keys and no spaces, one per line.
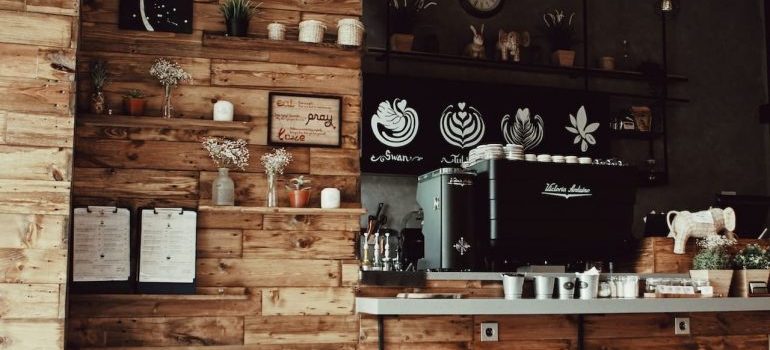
{"x":227,"y":153}
{"x":276,"y":161}
{"x":169,"y":72}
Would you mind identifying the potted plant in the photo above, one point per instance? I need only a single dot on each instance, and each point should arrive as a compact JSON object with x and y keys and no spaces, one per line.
{"x":237,"y":14}
{"x":299,"y":194}
{"x":403,"y":17}
{"x":560,"y":32}
{"x":227,"y":154}
{"x":712,"y":263}
{"x":98,"y":104}
{"x":274,"y":163}
{"x":134,"y":102}
{"x":751,"y":265}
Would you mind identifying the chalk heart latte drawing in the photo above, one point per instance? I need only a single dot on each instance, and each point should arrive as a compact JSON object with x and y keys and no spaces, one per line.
{"x":462,"y":125}
{"x":395,"y":124}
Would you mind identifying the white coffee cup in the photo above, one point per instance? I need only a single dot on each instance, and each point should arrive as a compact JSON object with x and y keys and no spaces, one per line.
{"x":589,"y":286}
{"x":544,"y":287}
{"x":566,"y":287}
{"x":330,"y":198}
{"x":513,"y":286}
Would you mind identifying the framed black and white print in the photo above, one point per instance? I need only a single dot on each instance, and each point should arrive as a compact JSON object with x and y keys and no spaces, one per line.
{"x":156,"y":15}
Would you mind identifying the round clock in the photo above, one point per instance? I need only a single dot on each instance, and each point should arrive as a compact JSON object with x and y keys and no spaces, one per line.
{"x":482,"y":8}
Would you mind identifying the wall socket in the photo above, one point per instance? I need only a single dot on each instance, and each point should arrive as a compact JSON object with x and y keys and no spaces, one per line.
{"x":682,"y":326}
{"x":489,"y":331}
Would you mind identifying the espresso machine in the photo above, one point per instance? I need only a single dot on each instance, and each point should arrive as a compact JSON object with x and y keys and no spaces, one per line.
{"x":446,"y":196}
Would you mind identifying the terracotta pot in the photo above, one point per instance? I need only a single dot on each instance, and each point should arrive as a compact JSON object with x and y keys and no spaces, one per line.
{"x":564,"y":58}
{"x":299,"y":198}
{"x":401,"y":42}
{"x":134,"y":106}
{"x":741,"y":279}
{"x":719,"y":279}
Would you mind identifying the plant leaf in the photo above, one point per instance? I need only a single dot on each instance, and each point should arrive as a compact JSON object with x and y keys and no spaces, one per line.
{"x":592,"y":127}
{"x":572,"y":130}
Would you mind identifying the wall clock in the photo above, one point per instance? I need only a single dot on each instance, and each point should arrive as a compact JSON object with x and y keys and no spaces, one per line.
{"x":482,"y":8}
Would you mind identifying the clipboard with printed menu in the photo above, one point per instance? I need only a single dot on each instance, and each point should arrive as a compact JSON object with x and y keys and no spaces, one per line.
{"x":167,"y":251}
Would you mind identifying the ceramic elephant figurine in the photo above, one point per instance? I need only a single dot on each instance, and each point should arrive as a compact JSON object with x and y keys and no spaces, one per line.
{"x":698,"y":225}
{"x":510,"y":43}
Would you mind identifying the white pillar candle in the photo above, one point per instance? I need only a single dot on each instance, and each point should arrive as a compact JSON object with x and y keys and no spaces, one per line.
{"x":223,"y":111}
{"x":330,"y":198}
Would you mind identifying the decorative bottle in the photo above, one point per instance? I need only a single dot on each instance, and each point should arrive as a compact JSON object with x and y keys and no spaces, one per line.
{"x":223,"y":189}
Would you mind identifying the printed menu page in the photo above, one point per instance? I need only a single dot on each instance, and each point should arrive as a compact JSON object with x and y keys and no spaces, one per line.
{"x":101,"y":244}
{"x":167,"y":248}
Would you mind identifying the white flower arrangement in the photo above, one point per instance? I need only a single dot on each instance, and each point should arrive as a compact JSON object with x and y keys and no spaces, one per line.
{"x":169,"y":73}
{"x":227,"y":153}
{"x":276,"y":161}
{"x":712,"y":242}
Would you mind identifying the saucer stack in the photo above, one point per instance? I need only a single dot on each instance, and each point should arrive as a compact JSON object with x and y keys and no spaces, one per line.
{"x":491,"y":151}
{"x":514,"y":152}
{"x":571,"y":159}
{"x":557,"y":159}
{"x":530,"y":157}
{"x":544,"y":158}
{"x":585,"y":160}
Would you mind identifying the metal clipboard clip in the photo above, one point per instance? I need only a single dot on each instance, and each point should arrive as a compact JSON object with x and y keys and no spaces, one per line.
{"x":100,"y":209}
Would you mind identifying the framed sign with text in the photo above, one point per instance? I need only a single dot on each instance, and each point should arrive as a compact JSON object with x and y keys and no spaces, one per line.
{"x":306,"y":120}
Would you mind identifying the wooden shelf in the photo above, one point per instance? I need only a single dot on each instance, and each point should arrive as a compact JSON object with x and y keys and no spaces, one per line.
{"x":282,"y":210}
{"x":524,"y":67}
{"x":158,"y":122}
{"x":254,"y":42}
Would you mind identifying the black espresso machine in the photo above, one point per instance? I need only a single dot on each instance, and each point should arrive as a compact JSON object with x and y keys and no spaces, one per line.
{"x":529,"y":213}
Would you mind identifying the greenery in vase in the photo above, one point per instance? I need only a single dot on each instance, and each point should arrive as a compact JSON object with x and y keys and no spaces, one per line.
{"x":298,"y":184}
{"x":99,"y":74}
{"x":404,"y":14}
{"x":713,"y":253}
{"x":752,"y":257}
{"x":227,"y":153}
{"x":239,"y":10}
{"x":134,"y":93}
{"x":560,"y":30}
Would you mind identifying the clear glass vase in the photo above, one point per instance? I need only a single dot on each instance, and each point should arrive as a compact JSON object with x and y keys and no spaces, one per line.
{"x":168,"y":108}
{"x":223,"y":189}
{"x":272,"y":190}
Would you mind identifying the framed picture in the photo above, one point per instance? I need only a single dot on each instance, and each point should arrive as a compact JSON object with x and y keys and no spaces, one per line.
{"x":304,"y":120}
{"x":156,"y":15}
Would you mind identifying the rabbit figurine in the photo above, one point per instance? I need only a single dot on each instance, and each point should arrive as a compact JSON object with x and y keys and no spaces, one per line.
{"x":476,"y":48}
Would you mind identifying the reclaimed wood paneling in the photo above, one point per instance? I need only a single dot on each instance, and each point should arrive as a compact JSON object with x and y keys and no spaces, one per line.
{"x":328,"y":245}
{"x":267,"y":273}
{"x":43,"y":266}
{"x":34,"y":197}
{"x":29,"y":301}
{"x":280,"y":330}
{"x":307,"y":301}
{"x":32,"y":334}
{"x":38,"y":130}
{"x":33,"y":231}
{"x":311,"y":222}
{"x":286,"y":77}
{"x":154,"y":331}
{"x":35,"y":29}
{"x":135,"y":183}
{"x":408,"y":329}
{"x":35,"y":163}
{"x":98,"y":306}
{"x":219,"y":243}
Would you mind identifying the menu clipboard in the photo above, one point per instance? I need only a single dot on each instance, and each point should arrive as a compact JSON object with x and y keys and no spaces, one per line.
{"x":167,"y":251}
{"x":101,"y":250}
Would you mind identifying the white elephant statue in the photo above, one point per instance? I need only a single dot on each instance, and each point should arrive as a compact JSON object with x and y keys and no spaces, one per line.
{"x":699,"y":225}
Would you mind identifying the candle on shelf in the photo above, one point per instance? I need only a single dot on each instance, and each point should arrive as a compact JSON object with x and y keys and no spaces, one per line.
{"x":223,"y":111}
{"x":330,"y":198}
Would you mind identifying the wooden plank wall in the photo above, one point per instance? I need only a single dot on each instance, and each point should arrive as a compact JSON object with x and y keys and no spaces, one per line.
{"x":265,"y":280}
{"x":38,"y":42}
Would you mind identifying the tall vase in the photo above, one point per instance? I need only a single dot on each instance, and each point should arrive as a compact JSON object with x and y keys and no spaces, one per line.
{"x":168,"y":108}
{"x":98,"y":103}
{"x":272,"y":189}
{"x":223,"y":189}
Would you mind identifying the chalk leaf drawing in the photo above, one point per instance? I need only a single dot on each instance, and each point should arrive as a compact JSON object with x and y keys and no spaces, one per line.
{"x":395,"y":124}
{"x":523,"y":130}
{"x":580,"y":127}
{"x":462,"y":125}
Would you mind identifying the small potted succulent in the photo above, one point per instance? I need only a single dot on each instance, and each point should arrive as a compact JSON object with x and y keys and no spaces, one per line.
{"x":403,"y":18}
{"x":560,"y":31}
{"x":299,"y":194}
{"x":237,"y":15}
{"x":98,"y":103}
{"x":713,"y":263}
{"x":134,"y":102}
{"x":752,"y":264}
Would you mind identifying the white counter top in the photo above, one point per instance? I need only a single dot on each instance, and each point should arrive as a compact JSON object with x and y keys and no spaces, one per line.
{"x":394,"y":306}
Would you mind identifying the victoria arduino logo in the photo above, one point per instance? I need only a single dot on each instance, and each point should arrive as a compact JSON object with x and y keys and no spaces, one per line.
{"x":557,"y":190}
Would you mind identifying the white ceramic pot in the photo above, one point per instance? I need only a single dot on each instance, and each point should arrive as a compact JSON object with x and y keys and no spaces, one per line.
{"x":330,"y":198}
{"x":223,"y":111}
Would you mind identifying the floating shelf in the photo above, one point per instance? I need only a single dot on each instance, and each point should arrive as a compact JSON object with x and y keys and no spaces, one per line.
{"x":103,"y":120}
{"x":282,"y":210}
{"x":524,"y":67}
{"x":256,"y":42}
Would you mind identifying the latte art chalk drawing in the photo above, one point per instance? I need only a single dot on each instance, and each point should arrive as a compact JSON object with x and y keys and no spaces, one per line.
{"x":462,"y":125}
{"x":523,"y":130}
{"x":395,"y":124}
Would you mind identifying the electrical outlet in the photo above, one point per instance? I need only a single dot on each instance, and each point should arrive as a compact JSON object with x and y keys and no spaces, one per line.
{"x":489,"y":331}
{"x":682,"y":326}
